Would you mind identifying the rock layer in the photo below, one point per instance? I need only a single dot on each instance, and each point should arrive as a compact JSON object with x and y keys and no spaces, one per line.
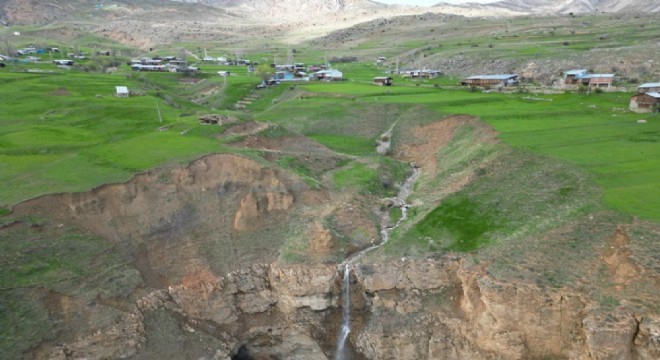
{"x":413,"y":309}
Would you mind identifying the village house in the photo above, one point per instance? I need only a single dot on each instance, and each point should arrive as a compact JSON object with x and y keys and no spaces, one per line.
{"x":122,"y":91}
{"x":645,"y":102}
{"x":382,"y":81}
{"x":291,"y":76}
{"x":317,"y":67}
{"x":151,"y":68}
{"x":328,"y":75}
{"x":648,"y":87}
{"x":491,"y":80}
{"x":64,"y":62}
{"x":647,"y":98}
{"x":290,"y":72}
{"x":158,"y":64}
{"x":429,"y":74}
{"x":582,"y":77}
{"x":421,"y":74}
{"x":572,"y":77}
{"x":597,"y":80}
{"x":409,"y":73}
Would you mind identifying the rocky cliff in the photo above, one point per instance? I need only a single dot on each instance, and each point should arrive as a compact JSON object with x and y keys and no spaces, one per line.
{"x":409,"y":309}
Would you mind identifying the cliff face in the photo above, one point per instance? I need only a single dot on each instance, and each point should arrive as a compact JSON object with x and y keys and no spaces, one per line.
{"x":214,"y":214}
{"x":421,"y":309}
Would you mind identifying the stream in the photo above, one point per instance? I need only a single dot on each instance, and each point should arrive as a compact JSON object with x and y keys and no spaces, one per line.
{"x":400,"y":202}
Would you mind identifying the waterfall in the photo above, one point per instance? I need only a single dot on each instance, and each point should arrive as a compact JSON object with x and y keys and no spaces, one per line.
{"x":399,"y":201}
{"x":345,"y":328}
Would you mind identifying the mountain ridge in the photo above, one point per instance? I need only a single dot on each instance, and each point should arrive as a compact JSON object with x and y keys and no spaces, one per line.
{"x":577,"y":6}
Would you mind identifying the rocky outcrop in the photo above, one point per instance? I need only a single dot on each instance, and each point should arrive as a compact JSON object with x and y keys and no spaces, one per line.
{"x":199,"y":212}
{"x":449,"y":310}
{"x":408,"y":309}
{"x":120,"y":340}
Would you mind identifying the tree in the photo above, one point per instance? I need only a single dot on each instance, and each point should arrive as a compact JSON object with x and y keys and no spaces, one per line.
{"x":264,"y":71}
{"x":7,"y":46}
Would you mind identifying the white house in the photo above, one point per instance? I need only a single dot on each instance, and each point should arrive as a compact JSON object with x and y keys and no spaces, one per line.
{"x":122,"y":91}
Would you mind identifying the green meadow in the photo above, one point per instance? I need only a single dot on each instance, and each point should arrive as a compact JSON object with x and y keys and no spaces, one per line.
{"x":68,"y":132}
{"x":594,"y":132}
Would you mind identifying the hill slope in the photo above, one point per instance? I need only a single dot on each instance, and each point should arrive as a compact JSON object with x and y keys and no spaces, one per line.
{"x":579,"y":6}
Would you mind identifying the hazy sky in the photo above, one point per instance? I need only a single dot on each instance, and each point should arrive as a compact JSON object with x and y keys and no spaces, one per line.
{"x":430,"y":2}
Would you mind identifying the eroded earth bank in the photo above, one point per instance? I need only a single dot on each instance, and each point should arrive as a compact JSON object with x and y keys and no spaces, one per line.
{"x":233,"y":256}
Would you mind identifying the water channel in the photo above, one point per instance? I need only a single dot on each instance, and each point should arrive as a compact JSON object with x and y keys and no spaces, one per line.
{"x":400,"y":202}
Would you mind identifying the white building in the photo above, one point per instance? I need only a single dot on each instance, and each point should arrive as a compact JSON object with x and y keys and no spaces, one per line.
{"x":122,"y":91}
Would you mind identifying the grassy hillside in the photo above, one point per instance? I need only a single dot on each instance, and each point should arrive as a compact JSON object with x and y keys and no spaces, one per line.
{"x":68,"y":132}
{"x":530,"y":185}
{"x":592,"y":131}
{"x":60,"y":123}
{"x":621,"y":43}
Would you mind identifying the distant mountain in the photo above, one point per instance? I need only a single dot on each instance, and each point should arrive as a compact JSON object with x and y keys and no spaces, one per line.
{"x":578,"y":6}
{"x":298,"y":7}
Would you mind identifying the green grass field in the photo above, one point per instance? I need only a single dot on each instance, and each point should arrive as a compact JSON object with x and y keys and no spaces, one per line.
{"x":594,"y":131}
{"x":59,"y":124}
{"x":68,"y":132}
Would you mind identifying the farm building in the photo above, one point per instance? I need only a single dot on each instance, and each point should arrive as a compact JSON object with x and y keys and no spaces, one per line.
{"x":64,"y":62}
{"x":597,"y":80}
{"x":121,"y":91}
{"x":382,"y":81}
{"x":572,"y":77}
{"x":649,"y":87}
{"x":645,"y":102}
{"x":429,"y":74}
{"x":317,"y":67}
{"x":490,"y":80}
{"x":582,"y":77}
{"x":328,"y":75}
{"x":290,"y":76}
{"x":151,"y":68}
{"x":409,"y":73}
{"x":422,"y":74}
